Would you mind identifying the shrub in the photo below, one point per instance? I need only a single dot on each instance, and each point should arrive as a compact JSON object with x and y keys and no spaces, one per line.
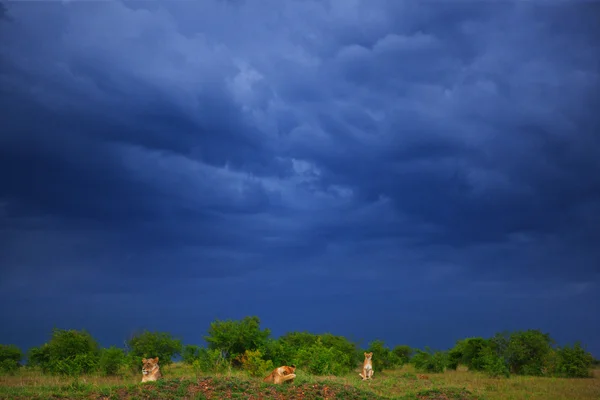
{"x":492,"y":364}
{"x":574,"y":362}
{"x":233,"y":338}
{"x":10,"y":358}
{"x":111,"y":361}
{"x":528,"y":351}
{"x":69,"y":352}
{"x":254,"y":365}
{"x":383,"y":357}
{"x":210,"y":361}
{"x":153,"y":344}
{"x":190,"y":353}
{"x":402,"y":354}
{"x":469,"y":352}
{"x":320,"y":360}
{"x":427,"y":361}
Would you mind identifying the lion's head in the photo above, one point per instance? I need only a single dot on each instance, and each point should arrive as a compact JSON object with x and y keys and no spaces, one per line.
{"x":149,"y":365}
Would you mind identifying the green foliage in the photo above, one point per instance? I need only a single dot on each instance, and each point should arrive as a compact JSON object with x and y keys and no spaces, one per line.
{"x":321,"y":360}
{"x":469,"y":352}
{"x":254,"y":364}
{"x":492,"y":364}
{"x":383,"y":357}
{"x":428,"y":361}
{"x":112,"y":360}
{"x":69,"y":352}
{"x":574,"y":362}
{"x":10,"y":358}
{"x":527,"y":352}
{"x":153,"y":344}
{"x":403,"y":354}
{"x":278,"y":351}
{"x":233,"y":338}
{"x":210,"y":361}
{"x":329,"y":354}
{"x":190,"y":353}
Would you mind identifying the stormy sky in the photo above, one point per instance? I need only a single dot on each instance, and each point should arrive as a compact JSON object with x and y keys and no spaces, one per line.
{"x":411,"y":171}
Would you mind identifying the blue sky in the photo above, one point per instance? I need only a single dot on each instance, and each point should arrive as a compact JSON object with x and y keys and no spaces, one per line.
{"x":416,"y":172}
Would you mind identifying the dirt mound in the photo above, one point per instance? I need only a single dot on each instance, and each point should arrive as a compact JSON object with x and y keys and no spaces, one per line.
{"x":233,"y":388}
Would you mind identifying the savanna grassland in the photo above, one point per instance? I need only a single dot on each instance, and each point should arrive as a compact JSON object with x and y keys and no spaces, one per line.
{"x":239,"y":354}
{"x":182,"y":382}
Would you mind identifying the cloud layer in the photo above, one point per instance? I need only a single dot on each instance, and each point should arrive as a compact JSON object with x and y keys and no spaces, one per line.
{"x":386,"y":164}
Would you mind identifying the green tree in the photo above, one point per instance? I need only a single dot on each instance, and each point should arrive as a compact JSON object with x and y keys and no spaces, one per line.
{"x":190,"y":353}
{"x":10,"y":358}
{"x":403,"y":354}
{"x":574,"y":362}
{"x":469,"y":352}
{"x":233,"y":338}
{"x":111,"y":361}
{"x":528,"y":352}
{"x":429,"y":361}
{"x":69,"y":352}
{"x":153,"y":344}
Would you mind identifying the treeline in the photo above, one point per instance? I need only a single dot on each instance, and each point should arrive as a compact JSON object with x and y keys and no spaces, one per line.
{"x":242,"y":344}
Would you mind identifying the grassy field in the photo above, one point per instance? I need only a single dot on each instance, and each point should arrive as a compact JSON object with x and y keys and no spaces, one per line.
{"x":180,"y":382}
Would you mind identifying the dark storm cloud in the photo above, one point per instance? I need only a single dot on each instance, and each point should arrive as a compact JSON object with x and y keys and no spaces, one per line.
{"x":211,"y":147}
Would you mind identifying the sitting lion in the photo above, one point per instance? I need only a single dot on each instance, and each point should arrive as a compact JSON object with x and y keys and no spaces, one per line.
{"x":150,"y":370}
{"x":282,"y":374}
{"x":367,"y":372}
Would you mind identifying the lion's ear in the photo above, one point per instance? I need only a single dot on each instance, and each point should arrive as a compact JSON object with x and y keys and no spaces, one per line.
{"x":365,"y":353}
{"x":156,"y":359}
{"x":143,"y":360}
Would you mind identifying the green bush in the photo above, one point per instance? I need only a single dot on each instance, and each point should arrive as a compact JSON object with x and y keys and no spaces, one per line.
{"x":574,"y":362}
{"x":190,"y":353}
{"x":320,"y":360}
{"x":528,"y":352}
{"x":428,"y":361}
{"x":112,"y":360}
{"x":69,"y":352}
{"x":254,"y":364}
{"x":383,"y":357}
{"x":402,"y":354}
{"x":492,"y":364}
{"x":210,"y":361}
{"x":233,"y":338}
{"x":279,"y":352}
{"x":10,"y":358}
{"x":469,"y":352}
{"x":153,"y":344}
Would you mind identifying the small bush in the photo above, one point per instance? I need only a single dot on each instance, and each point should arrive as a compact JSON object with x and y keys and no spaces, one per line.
{"x":320,"y":360}
{"x":210,"y":361}
{"x":403,"y":354}
{"x":153,"y":344}
{"x":10,"y":359}
{"x":190,"y":353}
{"x":492,"y":364}
{"x":254,"y":365}
{"x":383,"y":357}
{"x":112,"y":360}
{"x":427,"y":361}
{"x":69,"y":352}
{"x":574,"y":362}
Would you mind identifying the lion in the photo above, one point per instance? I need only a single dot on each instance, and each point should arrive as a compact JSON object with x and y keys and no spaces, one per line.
{"x":150,"y":369}
{"x":282,"y":374}
{"x":367,"y":367}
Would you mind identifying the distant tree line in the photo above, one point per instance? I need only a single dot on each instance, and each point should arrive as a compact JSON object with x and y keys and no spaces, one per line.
{"x":242,"y":344}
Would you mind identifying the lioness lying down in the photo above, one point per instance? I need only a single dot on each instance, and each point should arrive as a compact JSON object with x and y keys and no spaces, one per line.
{"x":150,"y":369}
{"x":282,"y":374}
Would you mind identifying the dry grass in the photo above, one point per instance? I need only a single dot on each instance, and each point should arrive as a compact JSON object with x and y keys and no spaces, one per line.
{"x":404,"y":383}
